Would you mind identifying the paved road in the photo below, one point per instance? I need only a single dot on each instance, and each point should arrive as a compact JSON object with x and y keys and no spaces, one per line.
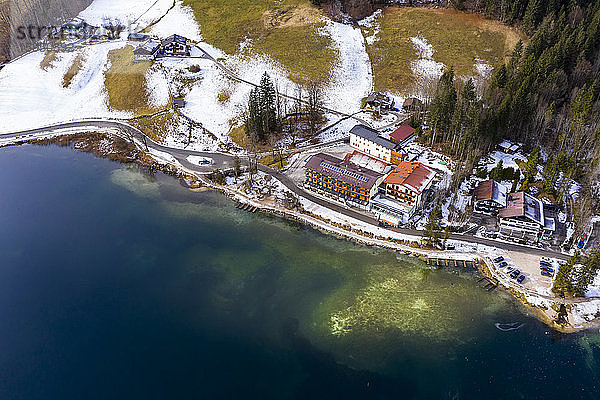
{"x":224,"y":161}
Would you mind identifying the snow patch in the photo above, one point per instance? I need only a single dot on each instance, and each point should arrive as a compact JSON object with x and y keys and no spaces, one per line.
{"x":180,"y":20}
{"x":425,"y":66}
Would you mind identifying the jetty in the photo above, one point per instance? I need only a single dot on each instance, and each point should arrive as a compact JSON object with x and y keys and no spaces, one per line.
{"x":245,"y":207}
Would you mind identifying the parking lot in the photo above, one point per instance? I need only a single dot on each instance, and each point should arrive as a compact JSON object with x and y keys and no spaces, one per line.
{"x":529,"y":266}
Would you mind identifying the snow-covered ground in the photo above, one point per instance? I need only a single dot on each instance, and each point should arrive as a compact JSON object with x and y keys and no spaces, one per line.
{"x":179,"y":20}
{"x":584,"y":312}
{"x":135,"y":14}
{"x":594,"y":288}
{"x":353,"y":76}
{"x":425,"y":65}
{"x":31,"y":97}
{"x":371,"y":22}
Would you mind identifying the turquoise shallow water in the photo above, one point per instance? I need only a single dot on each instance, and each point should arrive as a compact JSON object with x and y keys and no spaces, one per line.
{"x":117,"y":284}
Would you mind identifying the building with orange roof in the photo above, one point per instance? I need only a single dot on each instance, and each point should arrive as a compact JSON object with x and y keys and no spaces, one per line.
{"x":404,"y":190}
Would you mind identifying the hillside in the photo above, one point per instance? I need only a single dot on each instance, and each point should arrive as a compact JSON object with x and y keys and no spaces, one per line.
{"x":37,"y":13}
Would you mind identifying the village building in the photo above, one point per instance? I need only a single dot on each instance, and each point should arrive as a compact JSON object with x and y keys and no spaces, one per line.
{"x":404,"y":191}
{"x":509,"y":147}
{"x":378,"y":101}
{"x":341,"y":180}
{"x":403,"y":134}
{"x":523,"y":217}
{"x":412,"y":104}
{"x":137,"y":37}
{"x":490,"y":197}
{"x":102,"y":34}
{"x":146,"y":51}
{"x":175,"y":46}
{"x":368,"y":141}
{"x":179,"y":102}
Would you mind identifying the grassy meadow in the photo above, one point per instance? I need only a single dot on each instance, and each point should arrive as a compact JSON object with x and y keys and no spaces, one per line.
{"x":125,"y":83}
{"x":285,"y":30}
{"x":458,"y":39}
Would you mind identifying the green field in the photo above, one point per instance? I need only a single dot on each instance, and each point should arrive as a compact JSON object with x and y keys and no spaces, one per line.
{"x":457,"y":39}
{"x":125,"y":83}
{"x":285,"y":30}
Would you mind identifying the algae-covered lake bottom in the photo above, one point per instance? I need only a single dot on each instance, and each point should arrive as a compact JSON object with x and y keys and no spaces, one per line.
{"x":116,"y":284}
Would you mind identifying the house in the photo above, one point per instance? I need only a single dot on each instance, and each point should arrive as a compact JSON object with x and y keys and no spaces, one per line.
{"x":146,"y":51}
{"x":379,"y":101}
{"x":137,"y":37}
{"x":412,"y":104}
{"x":490,"y":196}
{"x":175,"y":46}
{"x":523,"y":217}
{"x":405,"y":187}
{"x":101,"y":34}
{"x":179,"y":102}
{"x":341,"y":180}
{"x":368,"y":141}
{"x":403,"y":134}
{"x":509,"y":147}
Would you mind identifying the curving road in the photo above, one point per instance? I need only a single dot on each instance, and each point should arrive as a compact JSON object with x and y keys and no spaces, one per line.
{"x":226,"y":161}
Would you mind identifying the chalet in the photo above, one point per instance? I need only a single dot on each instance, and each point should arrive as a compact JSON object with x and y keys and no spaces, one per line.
{"x":509,"y":147}
{"x":403,"y":134}
{"x":404,"y":187}
{"x":101,"y":34}
{"x":137,"y":37}
{"x":341,"y":180}
{"x":379,"y":101}
{"x":175,"y":46}
{"x":369,"y":142}
{"x":412,"y":104}
{"x":146,"y":51}
{"x":490,"y":197}
{"x":523,"y":217}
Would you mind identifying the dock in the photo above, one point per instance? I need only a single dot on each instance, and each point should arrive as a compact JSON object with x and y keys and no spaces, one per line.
{"x":443,"y":262}
{"x":488,"y":284}
{"x":245,"y":207}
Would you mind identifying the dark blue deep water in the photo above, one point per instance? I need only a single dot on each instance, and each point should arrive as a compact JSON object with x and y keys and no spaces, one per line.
{"x":119,"y":285}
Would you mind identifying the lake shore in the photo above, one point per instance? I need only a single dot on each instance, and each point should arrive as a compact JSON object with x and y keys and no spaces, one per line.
{"x":118,"y":149}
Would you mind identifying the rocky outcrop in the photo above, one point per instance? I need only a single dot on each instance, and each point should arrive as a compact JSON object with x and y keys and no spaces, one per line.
{"x":17,"y":16}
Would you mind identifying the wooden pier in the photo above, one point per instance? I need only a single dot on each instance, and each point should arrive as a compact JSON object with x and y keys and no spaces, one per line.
{"x":443,"y":262}
{"x":488,"y":284}
{"x":245,"y":207}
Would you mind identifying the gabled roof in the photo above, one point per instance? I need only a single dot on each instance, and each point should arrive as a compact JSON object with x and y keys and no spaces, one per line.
{"x":414,"y":175}
{"x":523,"y":205}
{"x":412,"y":102}
{"x":174,"y":38}
{"x":402,"y":133}
{"x":342,"y":170}
{"x":148,"y":48}
{"x":492,"y":191}
{"x":373,"y":136}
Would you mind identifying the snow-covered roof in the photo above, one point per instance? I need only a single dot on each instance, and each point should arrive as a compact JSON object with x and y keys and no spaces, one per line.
{"x":373,"y":136}
{"x":493,"y":191}
{"x":549,"y":224}
{"x":521,"y":204}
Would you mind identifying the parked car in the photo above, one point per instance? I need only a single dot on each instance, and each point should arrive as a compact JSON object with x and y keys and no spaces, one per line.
{"x":581,"y":241}
{"x":547,"y":269}
{"x":503,"y":264}
{"x":545,"y":264}
{"x":498,"y":259}
{"x":509,"y":269}
{"x":546,"y":273}
{"x":515,"y":273}
{"x":521,"y":279}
